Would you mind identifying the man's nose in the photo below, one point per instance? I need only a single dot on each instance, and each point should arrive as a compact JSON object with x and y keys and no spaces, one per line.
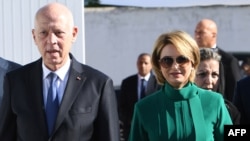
{"x":52,"y":39}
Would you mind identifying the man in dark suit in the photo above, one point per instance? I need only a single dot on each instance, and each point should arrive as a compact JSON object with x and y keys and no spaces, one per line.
{"x":242,"y":99}
{"x":5,"y":66}
{"x":206,"y":37}
{"x":83,"y":99}
{"x":131,"y":91}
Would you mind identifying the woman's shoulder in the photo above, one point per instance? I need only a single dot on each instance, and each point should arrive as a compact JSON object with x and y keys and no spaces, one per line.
{"x":151,"y":99}
{"x":209,"y":95}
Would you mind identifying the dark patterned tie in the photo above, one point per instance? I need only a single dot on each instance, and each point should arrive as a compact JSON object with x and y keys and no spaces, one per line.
{"x":143,"y":88}
{"x":52,"y":105}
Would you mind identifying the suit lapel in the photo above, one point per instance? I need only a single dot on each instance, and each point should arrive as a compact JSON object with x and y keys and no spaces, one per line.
{"x":75,"y":81}
{"x":152,"y":84}
{"x":134,"y":85}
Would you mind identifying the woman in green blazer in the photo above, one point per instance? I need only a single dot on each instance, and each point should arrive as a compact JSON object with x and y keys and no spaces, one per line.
{"x":180,"y":110}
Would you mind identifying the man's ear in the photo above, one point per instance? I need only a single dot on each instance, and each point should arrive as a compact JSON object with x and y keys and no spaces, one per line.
{"x":75,"y":32}
{"x":33,"y":35}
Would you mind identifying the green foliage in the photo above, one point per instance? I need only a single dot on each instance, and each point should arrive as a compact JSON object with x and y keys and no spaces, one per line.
{"x":92,"y":3}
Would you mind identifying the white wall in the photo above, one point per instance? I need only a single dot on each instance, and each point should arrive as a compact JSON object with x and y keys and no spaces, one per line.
{"x":115,"y":36}
{"x":16,"y":23}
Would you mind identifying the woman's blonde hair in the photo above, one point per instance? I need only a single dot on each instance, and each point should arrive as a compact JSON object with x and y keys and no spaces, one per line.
{"x":184,"y":44}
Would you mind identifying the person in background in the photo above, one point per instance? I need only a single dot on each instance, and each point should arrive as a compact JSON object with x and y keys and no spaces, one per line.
{"x":5,"y":66}
{"x":131,"y":91}
{"x":245,"y":66}
{"x":179,"y":110}
{"x":57,"y":98}
{"x":242,"y":99}
{"x":210,"y":76}
{"x":206,"y":37}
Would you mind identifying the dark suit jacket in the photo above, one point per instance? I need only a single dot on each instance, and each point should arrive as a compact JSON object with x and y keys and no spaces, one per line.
{"x":128,"y":97}
{"x":88,"y":111}
{"x":242,"y":99}
{"x":233,"y":112}
{"x":232,"y":73}
{"x":5,"y":66}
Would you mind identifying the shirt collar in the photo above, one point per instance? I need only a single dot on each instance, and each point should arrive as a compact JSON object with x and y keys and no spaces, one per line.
{"x":214,"y":46}
{"x":145,"y":77}
{"x":61,"y":73}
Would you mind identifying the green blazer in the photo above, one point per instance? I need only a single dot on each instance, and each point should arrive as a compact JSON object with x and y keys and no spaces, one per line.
{"x":190,"y":113}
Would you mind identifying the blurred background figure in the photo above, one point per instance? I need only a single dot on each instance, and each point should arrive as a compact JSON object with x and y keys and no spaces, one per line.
{"x":206,"y":37}
{"x":134,"y":88}
{"x":245,"y":66}
{"x":242,"y":99}
{"x":5,"y":66}
{"x":210,"y":76}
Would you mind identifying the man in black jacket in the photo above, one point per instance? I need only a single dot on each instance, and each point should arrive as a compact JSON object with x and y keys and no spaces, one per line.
{"x":131,"y":91}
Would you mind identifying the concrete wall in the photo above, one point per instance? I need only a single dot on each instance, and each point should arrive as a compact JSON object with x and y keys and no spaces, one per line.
{"x":115,"y":36}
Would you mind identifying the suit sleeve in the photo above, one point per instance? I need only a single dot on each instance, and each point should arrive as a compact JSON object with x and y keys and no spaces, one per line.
{"x":7,"y":117}
{"x":107,"y":123}
{"x":241,"y":98}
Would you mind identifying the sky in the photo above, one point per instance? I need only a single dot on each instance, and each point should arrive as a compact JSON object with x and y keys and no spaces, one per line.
{"x":173,"y":3}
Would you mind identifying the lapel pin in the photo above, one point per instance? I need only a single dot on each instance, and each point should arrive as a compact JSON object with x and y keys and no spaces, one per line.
{"x":78,"y":78}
